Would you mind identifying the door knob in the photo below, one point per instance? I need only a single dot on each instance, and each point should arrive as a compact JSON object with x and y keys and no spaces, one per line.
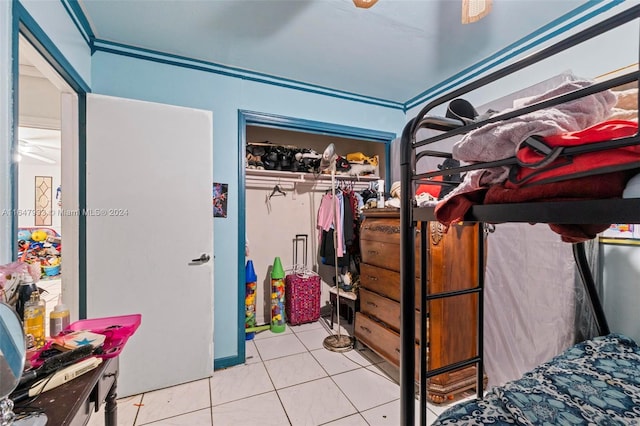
{"x":204,"y":258}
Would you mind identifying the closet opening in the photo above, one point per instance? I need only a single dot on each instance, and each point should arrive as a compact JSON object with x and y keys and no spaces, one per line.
{"x":282,"y":195}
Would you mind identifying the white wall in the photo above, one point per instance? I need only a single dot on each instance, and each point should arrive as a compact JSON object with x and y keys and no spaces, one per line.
{"x":621,"y":288}
{"x":39,"y":103}
{"x":26,"y":193}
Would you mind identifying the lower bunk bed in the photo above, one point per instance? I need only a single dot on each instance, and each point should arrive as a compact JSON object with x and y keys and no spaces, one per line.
{"x":595,"y":382}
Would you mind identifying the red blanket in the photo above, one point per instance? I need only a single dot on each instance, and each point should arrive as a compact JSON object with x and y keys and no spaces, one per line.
{"x":608,"y":185}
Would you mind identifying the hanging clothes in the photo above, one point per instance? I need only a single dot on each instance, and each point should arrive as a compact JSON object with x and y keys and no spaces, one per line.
{"x":327,"y":221}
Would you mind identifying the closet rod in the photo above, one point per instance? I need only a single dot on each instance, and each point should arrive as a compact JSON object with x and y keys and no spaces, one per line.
{"x":292,"y":182}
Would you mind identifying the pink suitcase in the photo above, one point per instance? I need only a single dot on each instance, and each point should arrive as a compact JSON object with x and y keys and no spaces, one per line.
{"x":301,"y":288}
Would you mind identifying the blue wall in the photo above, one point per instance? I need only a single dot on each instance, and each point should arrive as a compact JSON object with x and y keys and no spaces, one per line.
{"x":129,"y":77}
{"x":6,"y":130}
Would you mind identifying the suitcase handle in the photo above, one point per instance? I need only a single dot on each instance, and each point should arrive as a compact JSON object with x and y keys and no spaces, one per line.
{"x":304,"y":238}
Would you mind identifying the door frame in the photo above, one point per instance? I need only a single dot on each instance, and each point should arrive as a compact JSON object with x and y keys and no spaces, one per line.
{"x":24,"y":24}
{"x":262,"y":119}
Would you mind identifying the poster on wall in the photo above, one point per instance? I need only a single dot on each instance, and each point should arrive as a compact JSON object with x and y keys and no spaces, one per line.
{"x":43,"y":192}
{"x":220,"y":191}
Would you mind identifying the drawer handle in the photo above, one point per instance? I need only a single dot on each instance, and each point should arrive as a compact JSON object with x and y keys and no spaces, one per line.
{"x":373,"y":252}
{"x":372,"y":278}
{"x":372,"y":304}
{"x":365,"y":329}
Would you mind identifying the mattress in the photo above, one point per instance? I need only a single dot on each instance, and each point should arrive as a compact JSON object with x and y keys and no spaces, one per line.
{"x":595,"y":382}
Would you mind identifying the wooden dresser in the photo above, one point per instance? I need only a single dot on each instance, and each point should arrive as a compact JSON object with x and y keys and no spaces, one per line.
{"x":452,"y":322}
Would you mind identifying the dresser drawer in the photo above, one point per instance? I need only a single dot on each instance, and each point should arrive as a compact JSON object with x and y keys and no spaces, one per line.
{"x":381,"y":254}
{"x":386,"y":230}
{"x":384,"y":341}
{"x":386,"y":310}
{"x":385,"y":282}
{"x":385,"y":255}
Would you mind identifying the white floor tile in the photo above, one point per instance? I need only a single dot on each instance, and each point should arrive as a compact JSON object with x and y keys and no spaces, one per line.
{"x":389,"y":415}
{"x":251,"y":354}
{"x":284,"y":381}
{"x":353,"y":420}
{"x":366,"y":389}
{"x":334,"y":362}
{"x":127,"y":410}
{"x":315,"y":403}
{"x":196,"y":418}
{"x":294,"y":369}
{"x":313,"y":339}
{"x":239,"y":382}
{"x":361,"y":356}
{"x":387,"y":370}
{"x":263,"y":410}
{"x":267,"y":334}
{"x":276,"y":347}
{"x":301,"y":328}
{"x":177,"y":400}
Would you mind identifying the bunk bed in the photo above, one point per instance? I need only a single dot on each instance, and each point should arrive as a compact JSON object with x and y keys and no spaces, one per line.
{"x":607,"y":364}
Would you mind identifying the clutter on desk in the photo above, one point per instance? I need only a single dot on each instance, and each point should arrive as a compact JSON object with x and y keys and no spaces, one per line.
{"x":56,"y":378}
{"x":76,"y":350}
{"x":34,"y":320}
{"x":59,"y":318}
{"x":75,"y":339}
{"x":107,"y":336}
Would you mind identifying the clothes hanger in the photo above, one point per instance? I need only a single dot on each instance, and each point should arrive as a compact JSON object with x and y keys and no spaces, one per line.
{"x":277,"y":191}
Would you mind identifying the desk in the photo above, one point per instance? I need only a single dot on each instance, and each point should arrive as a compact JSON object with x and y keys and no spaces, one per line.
{"x":72,"y":403}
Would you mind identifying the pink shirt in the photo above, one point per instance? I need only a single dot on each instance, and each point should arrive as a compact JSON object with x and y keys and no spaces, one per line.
{"x":326,"y":218}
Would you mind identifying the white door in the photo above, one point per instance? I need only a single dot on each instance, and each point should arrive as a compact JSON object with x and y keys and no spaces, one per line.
{"x":149,"y":214}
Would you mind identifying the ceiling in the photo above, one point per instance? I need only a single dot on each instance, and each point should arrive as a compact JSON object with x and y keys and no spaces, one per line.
{"x":38,"y":146}
{"x":394,"y":51}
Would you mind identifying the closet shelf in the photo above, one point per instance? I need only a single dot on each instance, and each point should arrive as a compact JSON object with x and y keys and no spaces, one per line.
{"x":255,"y":175}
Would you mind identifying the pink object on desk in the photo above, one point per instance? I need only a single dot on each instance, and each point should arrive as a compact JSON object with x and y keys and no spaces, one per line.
{"x":116,"y":330}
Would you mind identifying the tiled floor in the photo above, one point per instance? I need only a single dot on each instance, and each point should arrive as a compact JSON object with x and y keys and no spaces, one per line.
{"x":288,"y":379}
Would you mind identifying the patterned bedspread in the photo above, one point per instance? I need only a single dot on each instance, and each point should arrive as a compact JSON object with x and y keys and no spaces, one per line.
{"x":596,"y":382}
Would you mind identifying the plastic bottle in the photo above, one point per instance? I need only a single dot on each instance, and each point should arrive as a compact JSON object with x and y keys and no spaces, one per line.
{"x":27,"y":286}
{"x":278,"y":324}
{"x":59,"y":318}
{"x":34,"y":314}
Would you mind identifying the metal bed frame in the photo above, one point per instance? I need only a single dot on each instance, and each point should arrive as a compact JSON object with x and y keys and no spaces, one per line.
{"x":565,"y":212}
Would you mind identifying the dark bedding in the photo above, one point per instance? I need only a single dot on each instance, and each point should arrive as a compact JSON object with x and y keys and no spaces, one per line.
{"x":596,"y":382}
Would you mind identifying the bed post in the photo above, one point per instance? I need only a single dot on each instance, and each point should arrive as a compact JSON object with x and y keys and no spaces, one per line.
{"x":407,"y":281}
{"x":590,"y":286}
